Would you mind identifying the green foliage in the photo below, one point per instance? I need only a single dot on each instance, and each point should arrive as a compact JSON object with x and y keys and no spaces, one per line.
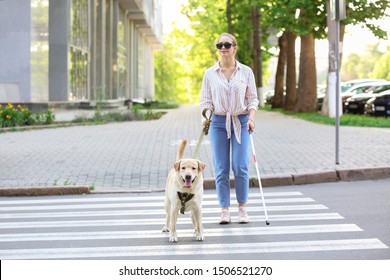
{"x":188,"y":53}
{"x":46,"y":117}
{"x":382,"y":66}
{"x":280,"y":14}
{"x":345,"y":120}
{"x":360,"y":66}
{"x":173,"y":69}
{"x":179,"y":68}
{"x":11,"y":116}
{"x":137,"y":113}
{"x":362,"y":12}
{"x":156,"y":105}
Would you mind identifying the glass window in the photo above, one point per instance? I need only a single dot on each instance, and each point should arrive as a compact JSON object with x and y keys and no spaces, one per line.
{"x":122,"y":58}
{"x":39,"y":50}
{"x":78,"y":48}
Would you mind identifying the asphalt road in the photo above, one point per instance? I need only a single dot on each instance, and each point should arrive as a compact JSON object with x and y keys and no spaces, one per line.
{"x":329,"y":221}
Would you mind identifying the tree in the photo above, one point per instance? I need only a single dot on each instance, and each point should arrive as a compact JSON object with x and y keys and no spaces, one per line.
{"x":382,"y":67}
{"x":360,"y":66}
{"x":291,"y":81}
{"x":173,"y":69}
{"x":304,"y":18}
{"x":359,"y":12}
{"x":278,"y":101}
{"x":197,"y":52}
{"x":307,"y":85}
{"x":210,"y":18}
{"x":312,"y":22}
{"x":311,"y":25}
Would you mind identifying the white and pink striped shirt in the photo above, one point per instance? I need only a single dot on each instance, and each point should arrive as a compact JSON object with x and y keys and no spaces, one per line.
{"x":230,"y":98}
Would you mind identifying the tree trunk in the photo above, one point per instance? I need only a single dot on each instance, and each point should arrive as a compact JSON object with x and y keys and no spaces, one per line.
{"x":256,"y":51}
{"x":229,"y":16}
{"x":279,"y":77}
{"x":291,"y":81}
{"x":307,"y":84}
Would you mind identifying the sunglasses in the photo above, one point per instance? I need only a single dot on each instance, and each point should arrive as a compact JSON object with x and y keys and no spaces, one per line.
{"x":227,"y":45}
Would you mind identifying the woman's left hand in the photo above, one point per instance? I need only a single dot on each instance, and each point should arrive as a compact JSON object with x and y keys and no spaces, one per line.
{"x":251,"y":125}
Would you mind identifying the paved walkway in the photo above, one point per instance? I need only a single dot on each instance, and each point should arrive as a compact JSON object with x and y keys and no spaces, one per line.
{"x":138,"y":155}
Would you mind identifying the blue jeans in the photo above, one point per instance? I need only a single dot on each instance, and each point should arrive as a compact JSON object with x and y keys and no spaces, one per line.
{"x":221,"y":158}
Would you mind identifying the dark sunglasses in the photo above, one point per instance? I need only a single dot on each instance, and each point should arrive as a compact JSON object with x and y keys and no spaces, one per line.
{"x":227,"y":45}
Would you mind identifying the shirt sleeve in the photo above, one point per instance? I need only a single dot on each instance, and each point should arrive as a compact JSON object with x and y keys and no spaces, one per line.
{"x":252,"y":100}
{"x":206,"y":99}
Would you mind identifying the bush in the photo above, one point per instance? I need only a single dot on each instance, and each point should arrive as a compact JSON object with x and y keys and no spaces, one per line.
{"x":45,"y":117}
{"x":11,"y":116}
{"x":21,"y":116}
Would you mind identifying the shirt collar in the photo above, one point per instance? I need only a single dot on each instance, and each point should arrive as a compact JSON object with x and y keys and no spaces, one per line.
{"x":217,"y":67}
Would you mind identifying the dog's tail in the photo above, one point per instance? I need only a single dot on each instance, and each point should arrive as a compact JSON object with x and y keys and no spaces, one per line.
{"x":182,"y":147}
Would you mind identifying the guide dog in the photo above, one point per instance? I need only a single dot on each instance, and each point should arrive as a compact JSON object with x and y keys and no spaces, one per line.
{"x":184,"y":192}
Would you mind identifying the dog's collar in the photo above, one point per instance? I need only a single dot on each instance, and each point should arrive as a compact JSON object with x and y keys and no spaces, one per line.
{"x":184,"y":197}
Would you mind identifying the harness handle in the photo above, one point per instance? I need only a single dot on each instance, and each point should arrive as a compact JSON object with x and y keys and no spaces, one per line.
{"x":208,"y":120}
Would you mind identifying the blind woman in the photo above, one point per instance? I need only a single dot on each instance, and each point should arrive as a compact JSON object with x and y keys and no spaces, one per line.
{"x":229,"y":91}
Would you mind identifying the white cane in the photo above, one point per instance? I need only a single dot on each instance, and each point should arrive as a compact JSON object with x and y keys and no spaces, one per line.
{"x":258,"y":178}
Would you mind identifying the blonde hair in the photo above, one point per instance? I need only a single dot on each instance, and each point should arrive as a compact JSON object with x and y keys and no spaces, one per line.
{"x":230,"y":36}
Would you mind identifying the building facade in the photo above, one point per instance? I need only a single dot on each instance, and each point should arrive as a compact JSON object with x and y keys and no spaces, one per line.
{"x":78,"y":51}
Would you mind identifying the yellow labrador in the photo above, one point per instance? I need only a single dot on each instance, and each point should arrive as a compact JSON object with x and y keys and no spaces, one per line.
{"x":184,"y":192}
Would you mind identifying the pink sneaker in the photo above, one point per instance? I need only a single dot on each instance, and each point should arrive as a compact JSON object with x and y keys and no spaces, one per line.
{"x":243,"y":217}
{"x":225,"y":216}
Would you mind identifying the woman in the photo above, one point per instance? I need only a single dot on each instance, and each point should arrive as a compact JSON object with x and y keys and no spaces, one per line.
{"x":229,"y":91}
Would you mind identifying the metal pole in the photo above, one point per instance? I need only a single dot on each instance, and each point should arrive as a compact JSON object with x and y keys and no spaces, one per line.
{"x":337,"y":51}
{"x":258,"y":178}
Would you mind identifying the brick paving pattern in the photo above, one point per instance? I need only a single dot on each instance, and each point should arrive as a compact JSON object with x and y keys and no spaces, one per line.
{"x":138,"y":155}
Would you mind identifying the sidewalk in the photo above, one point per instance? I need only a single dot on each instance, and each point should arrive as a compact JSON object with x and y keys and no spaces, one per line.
{"x":137,"y":156}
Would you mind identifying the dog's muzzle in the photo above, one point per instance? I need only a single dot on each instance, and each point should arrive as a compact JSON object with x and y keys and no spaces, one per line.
{"x":188,"y":181}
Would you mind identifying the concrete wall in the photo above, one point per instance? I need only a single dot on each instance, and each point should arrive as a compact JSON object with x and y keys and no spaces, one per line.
{"x":15,"y":38}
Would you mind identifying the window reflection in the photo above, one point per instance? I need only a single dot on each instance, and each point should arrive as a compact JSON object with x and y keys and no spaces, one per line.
{"x":39,"y":50}
{"x":78,"y":48}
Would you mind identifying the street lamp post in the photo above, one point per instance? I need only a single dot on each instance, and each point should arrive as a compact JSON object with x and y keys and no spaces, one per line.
{"x":337,"y":9}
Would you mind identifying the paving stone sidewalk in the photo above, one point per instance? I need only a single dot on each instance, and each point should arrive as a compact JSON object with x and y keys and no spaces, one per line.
{"x":136,"y":156}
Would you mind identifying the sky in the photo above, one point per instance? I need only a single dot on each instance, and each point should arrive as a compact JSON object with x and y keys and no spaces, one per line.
{"x":171,"y":13}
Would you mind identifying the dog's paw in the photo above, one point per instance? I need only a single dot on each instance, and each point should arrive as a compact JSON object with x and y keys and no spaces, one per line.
{"x":199,"y":237}
{"x":173,"y":239}
{"x":165,"y":229}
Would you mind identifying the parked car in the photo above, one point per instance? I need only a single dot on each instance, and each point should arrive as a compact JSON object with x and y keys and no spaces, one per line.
{"x":358,"y":89}
{"x":321,"y":91}
{"x":269,"y":96}
{"x":369,"y":107}
{"x":348,"y":84}
{"x":382,"y":104}
{"x":355,"y":104}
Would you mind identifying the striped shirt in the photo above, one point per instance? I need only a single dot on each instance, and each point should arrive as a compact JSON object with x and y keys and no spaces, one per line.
{"x":230,"y":98}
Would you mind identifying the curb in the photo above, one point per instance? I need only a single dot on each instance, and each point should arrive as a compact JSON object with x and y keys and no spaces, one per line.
{"x":34,"y":191}
{"x":340,"y":175}
{"x":345,"y":175}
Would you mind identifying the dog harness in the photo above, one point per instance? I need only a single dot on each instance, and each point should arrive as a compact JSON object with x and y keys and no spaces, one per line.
{"x":184,"y":197}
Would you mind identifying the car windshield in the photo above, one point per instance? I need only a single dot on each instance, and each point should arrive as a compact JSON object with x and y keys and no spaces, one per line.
{"x":360,"y":89}
{"x":380,"y":89}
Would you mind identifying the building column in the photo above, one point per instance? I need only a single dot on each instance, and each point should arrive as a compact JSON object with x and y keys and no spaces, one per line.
{"x":15,"y":45}
{"x":58,"y":50}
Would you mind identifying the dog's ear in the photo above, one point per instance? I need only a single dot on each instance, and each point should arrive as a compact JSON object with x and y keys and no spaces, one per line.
{"x":176,"y":166}
{"x":201,"y":165}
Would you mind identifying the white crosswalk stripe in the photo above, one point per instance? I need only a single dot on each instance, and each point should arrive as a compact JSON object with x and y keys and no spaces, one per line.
{"x":129,"y":226}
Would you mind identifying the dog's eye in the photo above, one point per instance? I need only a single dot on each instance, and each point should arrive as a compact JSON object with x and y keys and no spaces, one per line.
{"x":193,"y":168}
{"x":183,"y":168}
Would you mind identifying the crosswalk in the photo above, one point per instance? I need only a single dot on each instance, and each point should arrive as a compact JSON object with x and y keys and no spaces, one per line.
{"x":128,"y":226}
